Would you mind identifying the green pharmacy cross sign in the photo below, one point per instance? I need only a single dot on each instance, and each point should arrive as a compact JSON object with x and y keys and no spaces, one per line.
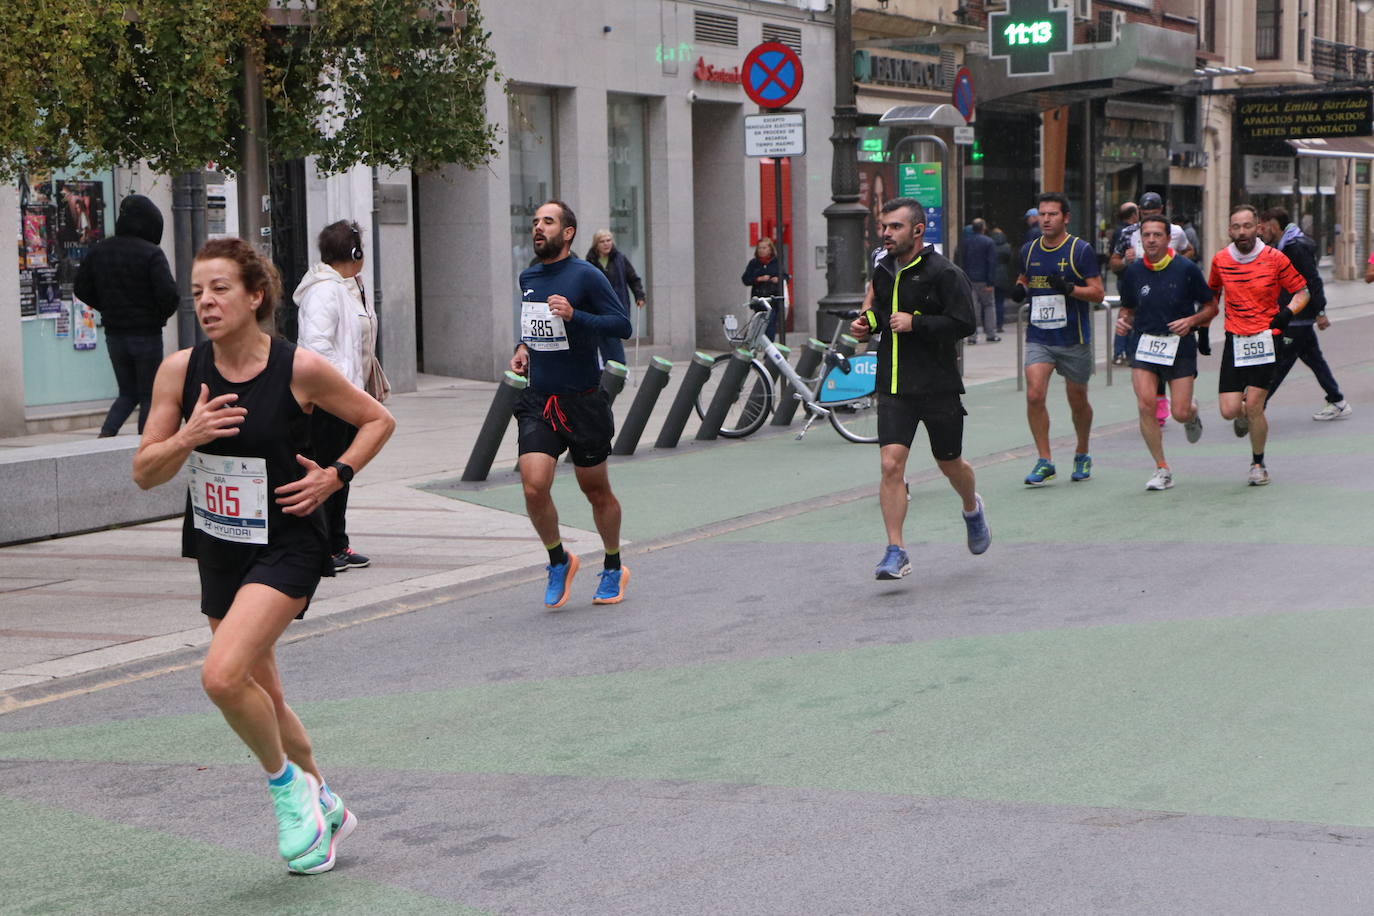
{"x":1028,"y":33}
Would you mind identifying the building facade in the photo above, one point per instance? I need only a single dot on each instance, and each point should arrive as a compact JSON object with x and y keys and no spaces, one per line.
{"x":632,"y":112}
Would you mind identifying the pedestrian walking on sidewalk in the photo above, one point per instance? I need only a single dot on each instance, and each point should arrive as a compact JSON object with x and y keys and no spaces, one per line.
{"x":1160,"y":294}
{"x":1248,"y":276}
{"x":620,"y":273}
{"x":1300,"y":338}
{"x":126,"y":279}
{"x":338,"y":322}
{"x":1059,"y":275}
{"x":236,"y":406}
{"x":921,"y":305}
{"x":567,"y":307}
{"x":978,"y":259}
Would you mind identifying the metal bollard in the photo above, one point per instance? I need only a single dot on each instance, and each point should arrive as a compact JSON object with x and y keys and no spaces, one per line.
{"x":1109,"y":333}
{"x":726,"y":395}
{"x":494,"y":426}
{"x":1021,"y":313}
{"x":807,"y":365}
{"x":683,"y":404}
{"x":654,"y":381}
{"x":613,"y":379}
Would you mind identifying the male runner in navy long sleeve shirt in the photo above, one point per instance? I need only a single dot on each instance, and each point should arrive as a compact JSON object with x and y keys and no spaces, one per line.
{"x":567,"y":306}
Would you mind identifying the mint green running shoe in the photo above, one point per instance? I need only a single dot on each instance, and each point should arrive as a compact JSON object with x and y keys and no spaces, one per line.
{"x":300,"y":822}
{"x":340,"y":823}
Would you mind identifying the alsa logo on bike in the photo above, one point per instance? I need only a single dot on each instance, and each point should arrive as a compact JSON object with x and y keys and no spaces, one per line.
{"x":865,"y":366}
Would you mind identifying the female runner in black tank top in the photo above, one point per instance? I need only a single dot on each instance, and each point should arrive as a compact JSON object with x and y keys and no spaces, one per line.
{"x":236,"y":407}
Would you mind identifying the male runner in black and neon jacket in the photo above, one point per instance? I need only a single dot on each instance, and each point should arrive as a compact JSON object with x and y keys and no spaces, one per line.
{"x":920,"y":305}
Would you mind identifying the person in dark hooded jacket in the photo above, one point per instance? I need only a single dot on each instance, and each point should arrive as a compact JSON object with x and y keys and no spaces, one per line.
{"x":126,"y":279}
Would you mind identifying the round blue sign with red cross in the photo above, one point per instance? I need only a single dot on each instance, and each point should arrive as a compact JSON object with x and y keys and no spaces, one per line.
{"x":772,"y":74}
{"x":962,"y":95}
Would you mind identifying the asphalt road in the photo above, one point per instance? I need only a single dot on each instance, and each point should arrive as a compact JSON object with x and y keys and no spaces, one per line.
{"x":1133,"y":703}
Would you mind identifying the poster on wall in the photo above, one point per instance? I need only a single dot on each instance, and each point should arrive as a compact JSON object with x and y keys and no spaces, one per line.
{"x":47,"y":293}
{"x":877,"y":185}
{"x":62,"y":325}
{"x":83,"y":316}
{"x":28,"y":300}
{"x":37,"y":239}
{"x":80,"y":223}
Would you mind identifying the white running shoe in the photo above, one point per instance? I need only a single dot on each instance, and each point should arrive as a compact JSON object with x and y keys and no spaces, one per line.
{"x":1334,"y":412}
{"x":1259,"y":475}
{"x":1163,"y":479}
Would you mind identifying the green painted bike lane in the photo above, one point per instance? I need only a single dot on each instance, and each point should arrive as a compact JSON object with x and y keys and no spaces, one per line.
{"x":1224,"y":716}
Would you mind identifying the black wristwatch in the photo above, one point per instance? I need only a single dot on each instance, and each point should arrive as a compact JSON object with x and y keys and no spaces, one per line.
{"x":344,"y":471}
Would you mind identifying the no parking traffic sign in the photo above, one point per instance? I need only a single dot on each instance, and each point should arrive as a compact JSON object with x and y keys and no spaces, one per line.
{"x":772,"y":74}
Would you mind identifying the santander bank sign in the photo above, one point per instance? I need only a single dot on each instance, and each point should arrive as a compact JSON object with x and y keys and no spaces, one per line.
{"x":707,"y":73}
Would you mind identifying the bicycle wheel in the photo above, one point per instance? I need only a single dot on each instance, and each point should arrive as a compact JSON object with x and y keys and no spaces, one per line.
{"x":750,"y":409}
{"x":856,"y":420}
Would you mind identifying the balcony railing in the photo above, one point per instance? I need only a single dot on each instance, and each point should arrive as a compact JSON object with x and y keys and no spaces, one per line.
{"x":1337,"y":61}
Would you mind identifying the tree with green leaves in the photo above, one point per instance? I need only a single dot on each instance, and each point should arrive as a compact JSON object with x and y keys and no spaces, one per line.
{"x":93,"y":83}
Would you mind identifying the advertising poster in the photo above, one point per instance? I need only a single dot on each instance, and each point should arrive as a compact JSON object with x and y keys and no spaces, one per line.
{"x":28,"y":300}
{"x":80,"y":223}
{"x":83,"y":317}
{"x":37,"y":241}
{"x":921,"y":180}
{"x":62,"y":325}
{"x":46,"y":292}
{"x":877,"y":185}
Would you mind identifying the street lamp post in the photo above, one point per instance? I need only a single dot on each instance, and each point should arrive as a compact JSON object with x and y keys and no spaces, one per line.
{"x":844,"y":218}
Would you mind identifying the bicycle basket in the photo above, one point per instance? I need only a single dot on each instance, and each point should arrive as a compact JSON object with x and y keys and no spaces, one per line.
{"x":748,"y":332}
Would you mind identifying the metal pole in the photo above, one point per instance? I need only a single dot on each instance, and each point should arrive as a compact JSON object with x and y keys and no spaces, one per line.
{"x":613,"y":379}
{"x":1021,"y":312}
{"x":844,"y":218}
{"x":254,"y":217}
{"x":781,"y":248}
{"x":187,"y":326}
{"x":683,"y":404}
{"x":655,"y":380}
{"x":807,"y":365}
{"x":726,"y":395}
{"x":494,"y":426}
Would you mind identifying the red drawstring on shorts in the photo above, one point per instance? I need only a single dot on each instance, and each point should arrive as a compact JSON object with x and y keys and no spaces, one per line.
{"x":554,"y":413}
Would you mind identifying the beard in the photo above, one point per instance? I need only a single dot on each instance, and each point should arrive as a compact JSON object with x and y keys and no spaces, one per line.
{"x":547,"y":248}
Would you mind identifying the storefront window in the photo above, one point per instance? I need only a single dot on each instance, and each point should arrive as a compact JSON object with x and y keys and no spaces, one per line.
{"x":61,"y":217}
{"x":626,"y":153}
{"x":532,"y":176}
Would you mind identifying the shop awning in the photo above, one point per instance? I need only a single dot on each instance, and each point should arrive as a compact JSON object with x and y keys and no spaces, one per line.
{"x":1335,"y":147}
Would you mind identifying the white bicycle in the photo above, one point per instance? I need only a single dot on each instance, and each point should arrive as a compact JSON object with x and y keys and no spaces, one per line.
{"x":842,"y":388}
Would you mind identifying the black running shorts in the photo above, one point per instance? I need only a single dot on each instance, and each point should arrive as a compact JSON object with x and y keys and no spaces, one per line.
{"x":899,"y":415}
{"x":293,"y":567}
{"x":581,"y":423}
{"x":1233,"y":379}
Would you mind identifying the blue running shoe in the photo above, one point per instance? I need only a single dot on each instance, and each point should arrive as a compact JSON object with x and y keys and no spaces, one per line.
{"x":1082,"y":467}
{"x":1041,"y":474}
{"x":979,"y":534}
{"x":895,"y":564}
{"x":560,"y":582}
{"x":611,"y":588}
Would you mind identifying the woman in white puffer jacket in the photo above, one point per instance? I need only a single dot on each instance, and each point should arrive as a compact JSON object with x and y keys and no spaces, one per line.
{"x":337,"y":322}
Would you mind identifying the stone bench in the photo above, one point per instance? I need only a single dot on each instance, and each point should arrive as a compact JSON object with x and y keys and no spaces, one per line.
{"x":53,"y":490}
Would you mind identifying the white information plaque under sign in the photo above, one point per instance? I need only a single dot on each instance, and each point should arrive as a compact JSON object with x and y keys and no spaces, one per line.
{"x":963,"y":136}
{"x":775,"y":135}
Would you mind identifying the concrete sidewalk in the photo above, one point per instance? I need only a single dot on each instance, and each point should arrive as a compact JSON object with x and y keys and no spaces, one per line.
{"x":77,"y":605}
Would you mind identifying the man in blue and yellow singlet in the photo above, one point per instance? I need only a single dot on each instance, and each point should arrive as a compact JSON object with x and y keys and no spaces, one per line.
{"x":1059,"y":276}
